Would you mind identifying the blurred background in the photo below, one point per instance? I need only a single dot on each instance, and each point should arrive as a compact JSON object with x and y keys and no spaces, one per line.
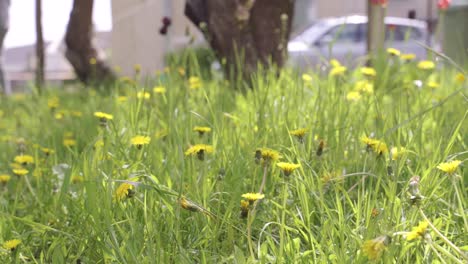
{"x":144,"y":32}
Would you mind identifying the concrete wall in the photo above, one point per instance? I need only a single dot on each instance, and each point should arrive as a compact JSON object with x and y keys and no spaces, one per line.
{"x":135,"y":33}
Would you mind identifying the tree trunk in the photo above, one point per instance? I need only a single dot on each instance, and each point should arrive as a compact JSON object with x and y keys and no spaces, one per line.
{"x":80,"y":50}
{"x":4,"y":19}
{"x":244,"y":33}
{"x":40,"y":65}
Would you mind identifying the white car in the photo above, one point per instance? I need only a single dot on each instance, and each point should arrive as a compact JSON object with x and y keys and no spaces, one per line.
{"x":345,"y":39}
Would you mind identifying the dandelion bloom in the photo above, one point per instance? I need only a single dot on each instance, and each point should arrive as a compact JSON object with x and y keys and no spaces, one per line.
{"x":299,"y":133}
{"x":460,"y":78}
{"x":11,"y":244}
{"x":69,"y":142}
{"x":353,"y":96}
{"x":364,"y":86}
{"x":418,"y":231}
{"x":268,"y":155}
{"x":143,"y":95}
{"x":433,"y":85}
{"x":53,"y":103}
{"x":20,"y":172}
{"x":139,"y":141}
{"x":159,"y":90}
{"x":368,"y":71}
{"x":47,"y":151}
{"x":339,"y":70}
{"x":374,"y":248}
{"x":408,"y":56}
{"x":335,"y":63}
{"x":252,"y":197}
{"x":449,"y":167}
{"x":194,"y":82}
{"x":397,"y":152}
{"x":378,"y":146}
{"x":103,"y":116}
{"x":287,"y":168}
{"x":125,"y":190}
{"x":75,"y":179}
{"x":426,"y":65}
{"x":24,"y":159}
{"x":4,"y":178}
{"x":189,"y":205}
{"x":199,"y":150}
{"x":202,"y":130}
{"x":393,"y":52}
{"x":306,"y":77}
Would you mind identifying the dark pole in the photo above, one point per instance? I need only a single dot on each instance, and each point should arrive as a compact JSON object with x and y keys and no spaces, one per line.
{"x":39,"y":47}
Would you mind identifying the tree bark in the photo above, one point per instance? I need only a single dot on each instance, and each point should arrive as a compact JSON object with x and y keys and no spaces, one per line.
{"x":244,"y":33}
{"x":4,"y":23}
{"x":80,"y":50}
{"x":40,"y":65}
{"x":376,"y":10}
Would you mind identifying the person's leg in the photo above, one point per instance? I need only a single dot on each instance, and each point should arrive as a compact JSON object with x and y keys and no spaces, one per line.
{"x":4,"y":23}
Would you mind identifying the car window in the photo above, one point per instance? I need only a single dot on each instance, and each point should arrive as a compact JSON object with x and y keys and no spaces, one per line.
{"x":343,"y":33}
{"x":398,"y":32}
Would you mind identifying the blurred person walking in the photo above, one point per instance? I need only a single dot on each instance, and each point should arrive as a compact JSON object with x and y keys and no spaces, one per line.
{"x":4,"y":23}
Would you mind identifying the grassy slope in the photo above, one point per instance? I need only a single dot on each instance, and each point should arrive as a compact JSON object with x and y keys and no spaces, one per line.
{"x":323,"y":212}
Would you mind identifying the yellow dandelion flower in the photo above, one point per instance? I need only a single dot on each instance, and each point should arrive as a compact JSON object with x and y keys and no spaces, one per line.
{"x":143,"y":95}
{"x":398,"y":152}
{"x":69,"y":142}
{"x":245,"y":207}
{"x":53,"y":103}
{"x":373,"y":249}
{"x":253,"y":197}
{"x":24,"y":159}
{"x":426,"y":65}
{"x":125,"y":190}
{"x":449,"y":167}
{"x":47,"y":151}
{"x":194,"y":83}
{"x":77,"y":113}
{"x":92,"y":61}
{"x":364,"y":86}
{"x":202,"y":130}
{"x":378,"y":146}
{"x":335,"y":63}
{"x":137,"y":67}
{"x":122,"y":99}
{"x":460,"y":78}
{"x":368,"y":71}
{"x":353,"y":96}
{"x":306,"y":77}
{"x":20,"y":172}
{"x":408,"y":57}
{"x":140,"y":141}
{"x":433,"y":85}
{"x":299,"y":133}
{"x":418,"y":231}
{"x":75,"y":179}
{"x":393,"y":52}
{"x":11,"y":244}
{"x":103,"y":116}
{"x":4,"y":178}
{"x":199,"y":150}
{"x":287,"y":168}
{"x":181,"y":71}
{"x":98,"y":144}
{"x":189,"y":205}
{"x":159,"y":90}
{"x":339,"y":70}
{"x":267,"y":155}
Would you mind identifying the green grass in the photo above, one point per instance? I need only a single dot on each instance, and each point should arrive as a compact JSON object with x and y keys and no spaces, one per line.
{"x":322,"y":213}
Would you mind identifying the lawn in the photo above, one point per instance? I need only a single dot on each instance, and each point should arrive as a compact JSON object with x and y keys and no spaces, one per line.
{"x":349,"y":166}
